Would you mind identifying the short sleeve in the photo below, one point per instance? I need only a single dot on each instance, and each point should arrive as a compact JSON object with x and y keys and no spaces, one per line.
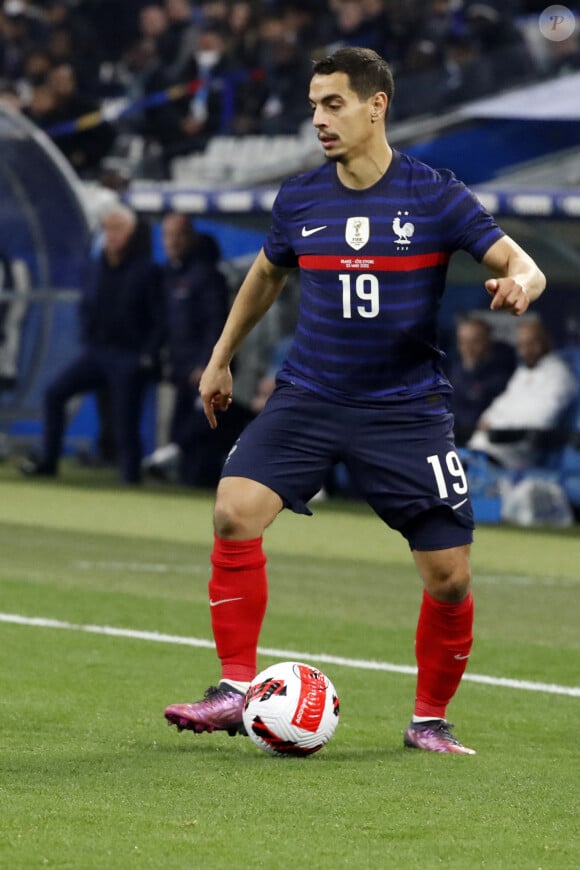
{"x":467,"y":224}
{"x":277,"y":246}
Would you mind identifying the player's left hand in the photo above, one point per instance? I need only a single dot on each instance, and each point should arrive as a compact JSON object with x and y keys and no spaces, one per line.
{"x":508,"y":294}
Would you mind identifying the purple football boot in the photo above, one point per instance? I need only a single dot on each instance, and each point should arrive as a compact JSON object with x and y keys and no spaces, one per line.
{"x":434,"y":736}
{"x":220,"y":710}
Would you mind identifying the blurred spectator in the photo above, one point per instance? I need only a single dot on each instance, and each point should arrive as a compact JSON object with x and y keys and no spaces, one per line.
{"x":122,"y":329}
{"x":186,"y":124}
{"x":287,"y":76}
{"x":214,"y":13}
{"x":155,"y":34}
{"x":137,"y":64}
{"x":564,"y":55}
{"x":153,"y":21}
{"x":114,"y":22}
{"x":37,"y":66}
{"x":500,"y":41}
{"x":150,"y":62}
{"x":353,"y":26}
{"x":441,"y":22}
{"x":273,"y":104}
{"x":469,"y":71}
{"x":422,"y":88}
{"x":243,"y":34}
{"x":84,"y":148}
{"x":196,"y":295}
{"x":480,"y":373}
{"x":404,"y":27}
{"x":377,"y":18}
{"x":254,"y":359}
{"x":180,"y":35}
{"x":41,"y":105}
{"x":307,"y":20}
{"x":267,"y":383}
{"x":444,"y":52}
{"x":72,"y":39}
{"x":210,"y":65}
{"x":17,"y":39}
{"x":534,"y":401}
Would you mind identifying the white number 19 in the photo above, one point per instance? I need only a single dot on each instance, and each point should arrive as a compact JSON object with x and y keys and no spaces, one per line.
{"x":455,"y":469}
{"x":366,"y":288}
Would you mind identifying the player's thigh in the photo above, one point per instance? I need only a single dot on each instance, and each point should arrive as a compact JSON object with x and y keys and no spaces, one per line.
{"x":244,"y":508}
{"x":408,"y":466}
{"x":289,"y":447}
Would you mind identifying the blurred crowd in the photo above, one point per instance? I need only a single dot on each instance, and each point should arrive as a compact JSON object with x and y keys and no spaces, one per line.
{"x":250,"y":60}
{"x":147,"y":326}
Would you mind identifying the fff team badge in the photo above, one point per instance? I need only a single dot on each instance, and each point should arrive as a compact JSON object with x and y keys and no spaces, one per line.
{"x":357,"y":232}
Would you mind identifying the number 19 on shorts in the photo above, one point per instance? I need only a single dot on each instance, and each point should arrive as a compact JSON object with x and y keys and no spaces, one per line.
{"x":451,"y":471}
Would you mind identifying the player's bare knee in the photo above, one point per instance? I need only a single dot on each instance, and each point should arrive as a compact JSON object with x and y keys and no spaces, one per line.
{"x":451,"y":586}
{"x":446,"y":574}
{"x":235,"y":520}
{"x":228,"y":522}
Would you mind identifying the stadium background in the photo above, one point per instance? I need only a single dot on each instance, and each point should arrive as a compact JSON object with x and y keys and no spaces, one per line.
{"x":511,"y":134}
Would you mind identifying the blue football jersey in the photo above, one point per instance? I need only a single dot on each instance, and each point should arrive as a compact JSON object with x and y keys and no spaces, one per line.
{"x":373,"y":265}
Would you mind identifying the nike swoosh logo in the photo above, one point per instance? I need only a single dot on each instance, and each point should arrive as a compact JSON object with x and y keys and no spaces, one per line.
{"x":461,"y":658}
{"x":306,"y":233}
{"x":458,"y":505}
{"x":224,"y":601}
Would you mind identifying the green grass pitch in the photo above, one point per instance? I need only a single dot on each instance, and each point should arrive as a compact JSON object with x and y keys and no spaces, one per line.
{"x":92,"y":777}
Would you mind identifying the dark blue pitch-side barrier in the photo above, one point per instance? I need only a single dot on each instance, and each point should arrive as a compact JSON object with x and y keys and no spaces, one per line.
{"x":44,"y":231}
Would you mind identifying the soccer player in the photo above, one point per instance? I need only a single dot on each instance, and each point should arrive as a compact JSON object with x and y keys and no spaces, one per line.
{"x":371,"y":232}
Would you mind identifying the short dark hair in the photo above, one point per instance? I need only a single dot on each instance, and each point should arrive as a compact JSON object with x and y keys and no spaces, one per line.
{"x":367,"y":71}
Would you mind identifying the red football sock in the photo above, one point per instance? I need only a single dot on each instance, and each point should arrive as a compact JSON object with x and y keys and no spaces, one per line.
{"x":442,"y":646}
{"x":238,"y":595}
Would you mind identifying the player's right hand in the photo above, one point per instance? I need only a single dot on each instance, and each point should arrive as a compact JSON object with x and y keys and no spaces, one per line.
{"x":216,"y":391}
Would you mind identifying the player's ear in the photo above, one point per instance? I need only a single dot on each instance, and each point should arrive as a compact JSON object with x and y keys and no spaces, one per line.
{"x":379,"y":104}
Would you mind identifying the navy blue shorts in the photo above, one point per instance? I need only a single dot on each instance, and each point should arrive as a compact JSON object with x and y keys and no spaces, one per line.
{"x":401,"y":458}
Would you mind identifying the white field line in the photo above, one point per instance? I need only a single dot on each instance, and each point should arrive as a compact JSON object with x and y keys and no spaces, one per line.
{"x":284,"y":654}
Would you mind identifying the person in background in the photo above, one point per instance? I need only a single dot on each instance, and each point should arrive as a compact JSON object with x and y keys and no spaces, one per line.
{"x":536,"y":397}
{"x":371,"y":232}
{"x":267,"y":383}
{"x":122,"y":330}
{"x":83,"y":148}
{"x":197,"y":298}
{"x":186,"y":125}
{"x":481,"y":372}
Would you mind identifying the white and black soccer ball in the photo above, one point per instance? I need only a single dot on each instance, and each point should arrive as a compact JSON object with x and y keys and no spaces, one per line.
{"x":291,"y":709}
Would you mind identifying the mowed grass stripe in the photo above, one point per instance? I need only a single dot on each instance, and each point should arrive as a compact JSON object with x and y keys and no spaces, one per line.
{"x":166,"y":567}
{"x":285,"y":654}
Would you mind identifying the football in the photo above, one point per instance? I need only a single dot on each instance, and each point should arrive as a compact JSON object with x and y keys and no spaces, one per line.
{"x":291,"y":709}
